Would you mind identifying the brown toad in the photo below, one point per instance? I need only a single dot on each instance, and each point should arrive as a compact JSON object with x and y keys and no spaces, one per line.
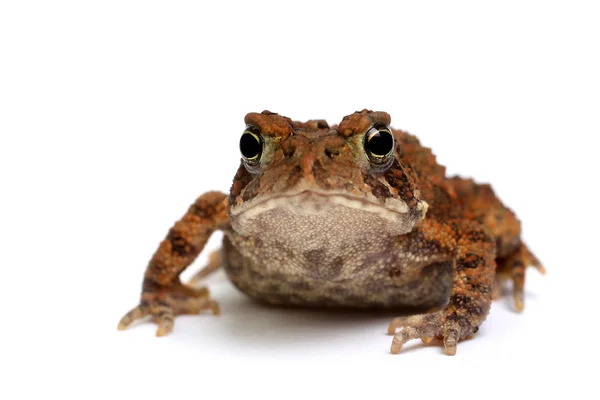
{"x":356,"y":215}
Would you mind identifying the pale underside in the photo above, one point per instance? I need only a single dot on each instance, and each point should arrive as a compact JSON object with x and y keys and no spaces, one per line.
{"x":318,"y":249}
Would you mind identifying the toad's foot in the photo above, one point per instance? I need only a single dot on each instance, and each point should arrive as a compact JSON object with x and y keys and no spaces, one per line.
{"x":448,"y":328}
{"x":165,"y":304}
{"x":513,"y":268}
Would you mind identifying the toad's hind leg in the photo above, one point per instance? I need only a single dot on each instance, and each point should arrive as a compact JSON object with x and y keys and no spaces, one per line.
{"x":480,"y":203}
{"x":513,"y":267}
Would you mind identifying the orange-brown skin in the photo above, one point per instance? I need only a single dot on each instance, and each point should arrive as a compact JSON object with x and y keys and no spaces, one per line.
{"x":316,"y":222}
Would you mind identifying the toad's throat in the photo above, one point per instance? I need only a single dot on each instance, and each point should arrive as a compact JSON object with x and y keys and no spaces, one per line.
{"x":310,"y":214}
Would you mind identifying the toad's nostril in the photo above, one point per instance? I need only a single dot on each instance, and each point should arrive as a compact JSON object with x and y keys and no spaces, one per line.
{"x":288,"y":149}
{"x":289,"y":153}
{"x":331,"y":152}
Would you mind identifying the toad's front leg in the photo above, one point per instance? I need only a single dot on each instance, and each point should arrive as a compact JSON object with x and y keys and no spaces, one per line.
{"x":163,"y":294}
{"x":472,"y":253}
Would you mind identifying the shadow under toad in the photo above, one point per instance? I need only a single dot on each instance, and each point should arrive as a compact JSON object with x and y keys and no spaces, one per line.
{"x":247,"y":326}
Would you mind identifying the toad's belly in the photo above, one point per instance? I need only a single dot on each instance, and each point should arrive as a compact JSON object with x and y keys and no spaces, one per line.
{"x":278,"y":274}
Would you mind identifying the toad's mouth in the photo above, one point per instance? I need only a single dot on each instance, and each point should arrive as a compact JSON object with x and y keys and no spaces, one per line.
{"x":308,"y":205}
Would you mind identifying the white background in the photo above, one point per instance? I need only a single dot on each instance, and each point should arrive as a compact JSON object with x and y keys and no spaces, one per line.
{"x":116,"y":115}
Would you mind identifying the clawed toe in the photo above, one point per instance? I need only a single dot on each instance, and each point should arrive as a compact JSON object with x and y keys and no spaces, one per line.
{"x":164,"y":318}
{"x":428,"y":327}
{"x":163,"y":307}
{"x":451,"y":337}
{"x":514,"y":268}
{"x":138,"y":312}
{"x":404,"y":336}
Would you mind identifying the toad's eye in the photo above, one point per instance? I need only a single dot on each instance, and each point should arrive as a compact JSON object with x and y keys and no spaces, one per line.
{"x":251,"y":145}
{"x":379,"y":144}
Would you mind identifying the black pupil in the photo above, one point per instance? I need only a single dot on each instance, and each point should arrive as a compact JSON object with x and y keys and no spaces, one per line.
{"x":380,"y":143}
{"x":249,"y":146}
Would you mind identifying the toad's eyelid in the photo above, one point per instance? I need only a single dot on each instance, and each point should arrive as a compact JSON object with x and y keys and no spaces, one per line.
{"x":252,"y":129}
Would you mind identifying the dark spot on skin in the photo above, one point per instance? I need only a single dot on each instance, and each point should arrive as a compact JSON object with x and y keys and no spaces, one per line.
{"x":459,"y":300}
{"x":283,"y":249}
{"x":201,"y":211}
{"x":481,"y":288}
{"x":314,"y":258}
{"x":395,"y":272}
{"x":319,"y":267}
{"x":471,"y":260}
{"x":467,"y":304}
{"x":454,"y":317}
{"x":378,"y":189}
{"x":455,"y":226}
{"x":179,"y":245}
{"x":475,"y":310}
{"x":422,"y":246}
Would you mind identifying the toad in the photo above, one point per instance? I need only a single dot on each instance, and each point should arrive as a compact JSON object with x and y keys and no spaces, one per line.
{"x":355,"y":215}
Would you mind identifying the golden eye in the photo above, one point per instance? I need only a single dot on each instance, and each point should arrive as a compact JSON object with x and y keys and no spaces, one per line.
{"x":251,"y":145}
{"x":379,"y":144}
